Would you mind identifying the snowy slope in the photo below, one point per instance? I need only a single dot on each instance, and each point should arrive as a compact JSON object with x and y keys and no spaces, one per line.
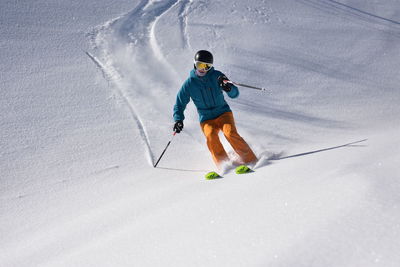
{"x":87,"y":96}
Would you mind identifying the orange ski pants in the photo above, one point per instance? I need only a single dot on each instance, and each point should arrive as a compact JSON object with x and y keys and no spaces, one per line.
{"x":226,"y":123}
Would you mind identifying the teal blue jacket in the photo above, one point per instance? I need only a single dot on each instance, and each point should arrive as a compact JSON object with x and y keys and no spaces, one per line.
{"x":206,"y":95}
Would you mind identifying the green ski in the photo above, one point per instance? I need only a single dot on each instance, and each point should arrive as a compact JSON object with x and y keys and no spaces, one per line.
{"x":242,"y":169}
{"x":212,"y":176}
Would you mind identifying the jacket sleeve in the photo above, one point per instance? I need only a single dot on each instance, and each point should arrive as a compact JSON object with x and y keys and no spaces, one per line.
{"x":182,"y":99}
{"x":234,"y":92}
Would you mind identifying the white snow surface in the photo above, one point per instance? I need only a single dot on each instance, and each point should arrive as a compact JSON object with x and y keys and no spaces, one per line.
{"x":87,"y":91}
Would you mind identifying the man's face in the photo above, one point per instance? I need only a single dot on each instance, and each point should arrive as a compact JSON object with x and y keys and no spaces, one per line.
{"x":202,"y":67}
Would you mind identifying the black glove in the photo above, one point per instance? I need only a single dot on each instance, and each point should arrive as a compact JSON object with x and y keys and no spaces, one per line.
{"x":178,"y":126}
{"x":225,"y":86}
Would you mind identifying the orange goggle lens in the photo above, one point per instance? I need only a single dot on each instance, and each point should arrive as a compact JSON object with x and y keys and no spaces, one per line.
{"x":202,"y":65}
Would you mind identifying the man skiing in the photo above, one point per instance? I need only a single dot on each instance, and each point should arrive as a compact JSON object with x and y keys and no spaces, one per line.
{"x":204,"y":86}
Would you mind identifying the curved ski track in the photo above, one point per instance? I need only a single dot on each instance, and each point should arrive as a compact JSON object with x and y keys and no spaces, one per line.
{"x":183,"y":22}
{"x":136,"y":29}
{"x":112,"y":76}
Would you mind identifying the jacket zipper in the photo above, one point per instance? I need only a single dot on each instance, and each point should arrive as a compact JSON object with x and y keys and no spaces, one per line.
{"x":212,"y":95}
{"x":204,"y":100}
{"x":209,"y":92}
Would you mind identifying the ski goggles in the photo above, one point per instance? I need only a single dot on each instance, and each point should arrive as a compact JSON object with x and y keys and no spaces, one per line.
{"x":202,"y":65}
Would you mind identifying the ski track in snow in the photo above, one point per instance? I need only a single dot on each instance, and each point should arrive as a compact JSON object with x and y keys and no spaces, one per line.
{"x":109,"y":74}
{"x":183,"y":22}
{"x":153,"y":40}
{"x":353,"y":13}
{"x":136,"y":31}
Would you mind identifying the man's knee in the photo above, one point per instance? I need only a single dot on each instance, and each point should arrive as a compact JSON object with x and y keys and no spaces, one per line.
{"x":230,"y":131}
{"x":210,"y":131}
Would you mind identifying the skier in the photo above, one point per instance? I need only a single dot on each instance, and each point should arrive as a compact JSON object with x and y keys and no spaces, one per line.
{"x":204,"y":86}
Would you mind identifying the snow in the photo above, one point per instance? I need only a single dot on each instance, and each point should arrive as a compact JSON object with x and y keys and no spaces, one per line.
{"x":87,"y":90}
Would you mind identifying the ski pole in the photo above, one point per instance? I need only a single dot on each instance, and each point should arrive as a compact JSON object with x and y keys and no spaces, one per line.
{"x":245,"y":85}
{"x":165,"y":149}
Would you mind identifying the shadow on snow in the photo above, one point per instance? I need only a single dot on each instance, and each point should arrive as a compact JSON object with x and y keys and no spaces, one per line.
{"x":266,"y":158}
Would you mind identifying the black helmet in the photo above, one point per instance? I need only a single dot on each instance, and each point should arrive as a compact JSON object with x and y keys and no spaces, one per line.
{"x":204,"y":56}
